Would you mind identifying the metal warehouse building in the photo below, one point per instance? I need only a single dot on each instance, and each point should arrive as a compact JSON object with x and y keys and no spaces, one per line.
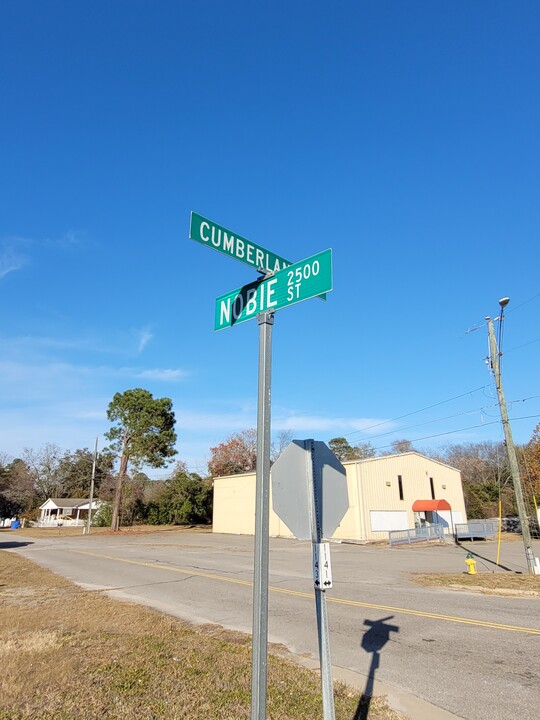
{"x":382,"y":493}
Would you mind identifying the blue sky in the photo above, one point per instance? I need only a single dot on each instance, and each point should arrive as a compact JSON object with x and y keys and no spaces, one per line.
{"x":402,"y":135}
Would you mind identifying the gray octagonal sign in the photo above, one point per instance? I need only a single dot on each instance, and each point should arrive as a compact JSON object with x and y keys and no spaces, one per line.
{"x":309,"y":490}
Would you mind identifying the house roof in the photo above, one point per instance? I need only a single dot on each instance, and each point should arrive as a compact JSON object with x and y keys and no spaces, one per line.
{"x":85,"y":504}
{"x":63,"y":503}
{"x":382,"y":458}
{"x":430,"y":505}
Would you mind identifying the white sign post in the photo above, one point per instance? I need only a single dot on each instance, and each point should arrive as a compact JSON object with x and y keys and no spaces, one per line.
{"x":309,"y":493}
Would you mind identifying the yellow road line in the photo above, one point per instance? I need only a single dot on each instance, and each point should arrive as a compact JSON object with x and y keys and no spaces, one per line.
{"x":329,"y":598}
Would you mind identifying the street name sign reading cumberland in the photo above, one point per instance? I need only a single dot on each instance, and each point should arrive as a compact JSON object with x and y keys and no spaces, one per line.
{"x":229,"y":243}
{"x":301,"y":281}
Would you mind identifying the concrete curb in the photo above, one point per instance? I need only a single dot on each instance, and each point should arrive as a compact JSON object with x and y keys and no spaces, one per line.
{"x":413,"y":707}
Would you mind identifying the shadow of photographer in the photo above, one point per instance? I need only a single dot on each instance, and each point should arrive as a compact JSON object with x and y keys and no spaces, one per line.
{"x":373,"y":642}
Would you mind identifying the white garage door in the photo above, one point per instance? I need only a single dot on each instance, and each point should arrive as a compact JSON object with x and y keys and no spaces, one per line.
{"x":382,"y":521}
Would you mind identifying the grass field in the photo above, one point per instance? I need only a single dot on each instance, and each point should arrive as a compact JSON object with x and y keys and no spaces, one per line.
{"x":493,"y":583}
{"x":68,"y":653}
{"x":73,"y":531}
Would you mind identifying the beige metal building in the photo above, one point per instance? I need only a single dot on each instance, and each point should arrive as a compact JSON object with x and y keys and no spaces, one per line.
{"x":382,"y":492}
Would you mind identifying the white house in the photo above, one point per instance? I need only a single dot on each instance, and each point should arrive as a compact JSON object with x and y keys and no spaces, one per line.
{"x":66,"y":511}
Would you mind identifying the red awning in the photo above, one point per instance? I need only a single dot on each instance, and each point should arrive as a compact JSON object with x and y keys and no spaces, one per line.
{"x":430,"y":505}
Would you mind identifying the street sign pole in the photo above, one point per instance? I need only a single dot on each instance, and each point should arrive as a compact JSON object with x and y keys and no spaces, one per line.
{"x":323,"y":631}
{"x":284,"y":284}
{"x":310,"y":495}
{"x":324,"y":654}
{"x":262,"y":513}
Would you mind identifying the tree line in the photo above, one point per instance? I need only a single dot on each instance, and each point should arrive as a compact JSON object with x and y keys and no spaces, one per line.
{"x":27,"y":482}
{"x":142,"y":435}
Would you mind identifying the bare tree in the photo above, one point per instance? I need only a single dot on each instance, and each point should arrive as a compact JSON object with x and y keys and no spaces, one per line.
{"x":43,"y":466}
{"x":365,"y":450}
{"x":485,"y":475}
{"x":283,"y":438}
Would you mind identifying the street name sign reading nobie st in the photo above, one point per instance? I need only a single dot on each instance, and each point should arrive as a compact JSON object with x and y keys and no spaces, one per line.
{"x":230,"y":243}
{"x":301,"y":281}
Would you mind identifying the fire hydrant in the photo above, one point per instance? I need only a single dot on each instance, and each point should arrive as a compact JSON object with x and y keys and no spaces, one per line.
{"x":471,"y":563}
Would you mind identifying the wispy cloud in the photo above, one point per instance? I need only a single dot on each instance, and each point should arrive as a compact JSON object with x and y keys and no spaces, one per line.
{"x":28,"y":343}
{"x":15,"y":250}
{"x":230,"y":422}
{"x":22,"y":379}
{"x":166,"y":374}
{"x":323,"y":423}
{"x":128,"y":343}
{"x":11,"y":259}
{"x":89,"y":414}
{"x":143,"y":338}
{"x":70,"y":239}
{"x":226,"y":423}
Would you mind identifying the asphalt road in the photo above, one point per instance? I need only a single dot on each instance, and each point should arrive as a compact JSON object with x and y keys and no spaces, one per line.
{"x":476,"y":656}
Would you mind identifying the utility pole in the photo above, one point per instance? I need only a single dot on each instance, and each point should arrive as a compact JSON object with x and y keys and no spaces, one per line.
{"x":510,"y":449}
{"x":89,"y":520}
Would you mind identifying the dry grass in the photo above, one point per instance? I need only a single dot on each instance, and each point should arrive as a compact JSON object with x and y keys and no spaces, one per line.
{"x":70,"y":653}
{"x":510,"y":537}
{"x":73,"y":531}
{"x":493,"y":583}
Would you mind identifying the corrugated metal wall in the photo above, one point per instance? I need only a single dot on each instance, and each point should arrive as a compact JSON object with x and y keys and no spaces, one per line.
{"x":372,"y":485}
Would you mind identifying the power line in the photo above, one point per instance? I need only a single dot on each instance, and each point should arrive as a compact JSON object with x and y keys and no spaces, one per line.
{"x":449,"y":432}
{"x":481,"y":409}
{"x":479,"y":326}
{"x":513,"y":402}
{"x":415,"y":412}
{"x":450,"y":417}
{"x":452,"y":432}
{"x":517,"y":347}
{"x":524,"y":303}
{"x":531,"y":397}
{"x":429,"y":422}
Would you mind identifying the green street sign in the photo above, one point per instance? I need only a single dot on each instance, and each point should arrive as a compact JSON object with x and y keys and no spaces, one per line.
{"x":301,"y":281}
{"x":229,"y":243}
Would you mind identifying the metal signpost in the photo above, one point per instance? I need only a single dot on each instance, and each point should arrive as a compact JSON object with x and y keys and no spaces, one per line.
{"x":259,"y":647}
{"x":309,"y":493}
{"x":283,"y":284}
